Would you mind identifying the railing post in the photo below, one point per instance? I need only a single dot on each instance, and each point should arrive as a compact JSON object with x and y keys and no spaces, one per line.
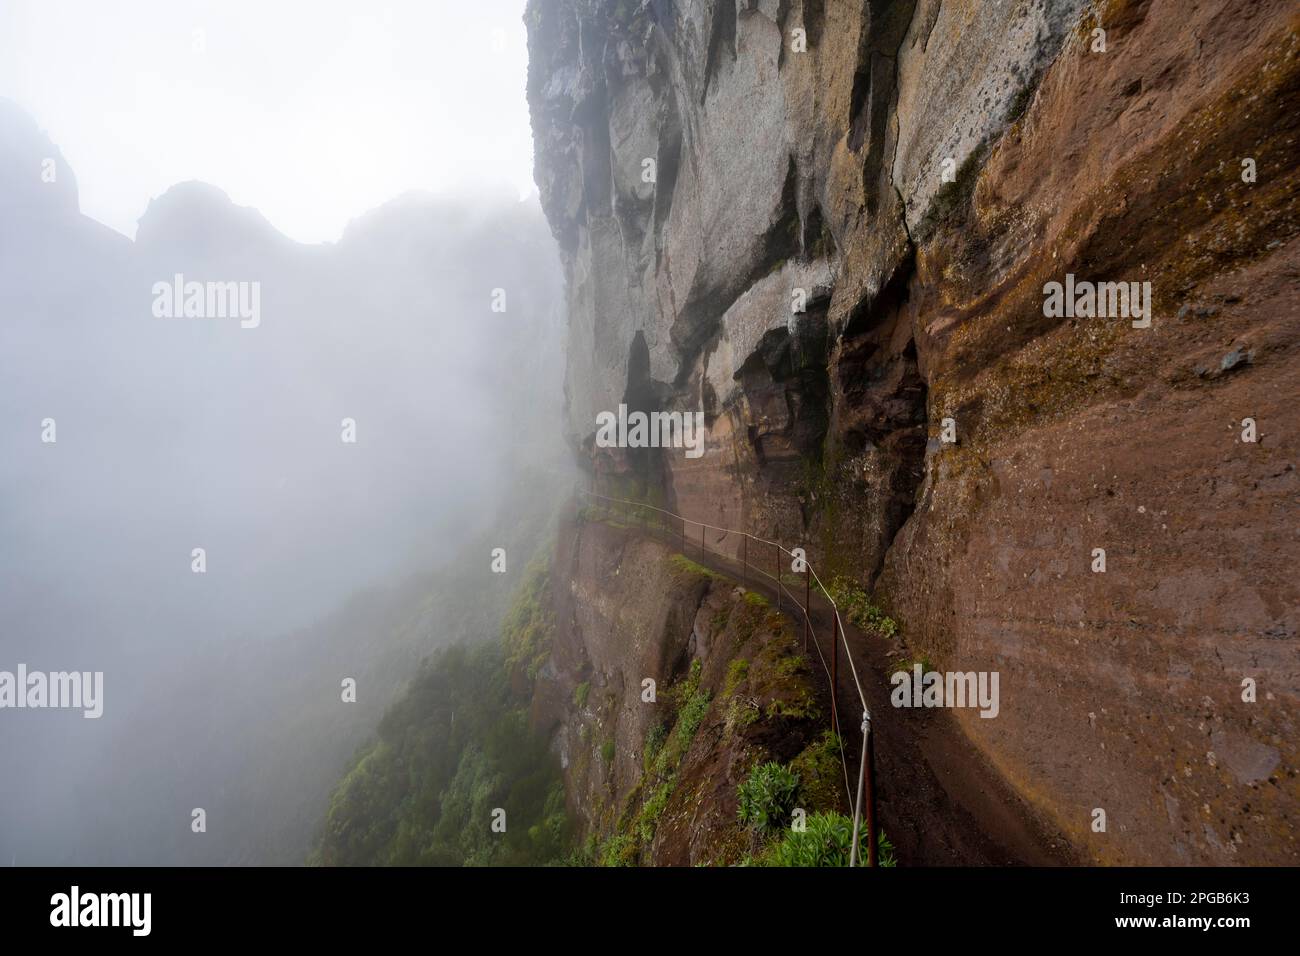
{"x":872,"y":828}
{"x":778,"y":574}
{"x":835,"y":672}
{"x":857,"y":803}
{"x":807,"y":613}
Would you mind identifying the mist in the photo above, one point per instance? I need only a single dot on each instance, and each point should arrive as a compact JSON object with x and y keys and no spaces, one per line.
{"x":230,"y":517}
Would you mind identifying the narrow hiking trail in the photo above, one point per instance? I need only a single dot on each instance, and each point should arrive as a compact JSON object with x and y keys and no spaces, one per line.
{"x":938,"y":798}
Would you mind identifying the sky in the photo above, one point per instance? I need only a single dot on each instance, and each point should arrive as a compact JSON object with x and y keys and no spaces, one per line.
{"x":311,"y":111}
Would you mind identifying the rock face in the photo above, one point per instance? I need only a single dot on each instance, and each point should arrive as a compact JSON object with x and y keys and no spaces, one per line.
{"x":829,"y":227}
{"x":652,"y":770}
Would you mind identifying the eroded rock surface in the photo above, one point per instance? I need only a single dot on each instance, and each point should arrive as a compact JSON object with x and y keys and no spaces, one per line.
{"x":915,"y":173}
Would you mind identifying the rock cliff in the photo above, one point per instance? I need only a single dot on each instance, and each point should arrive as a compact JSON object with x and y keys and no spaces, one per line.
{"x":830,"y":226}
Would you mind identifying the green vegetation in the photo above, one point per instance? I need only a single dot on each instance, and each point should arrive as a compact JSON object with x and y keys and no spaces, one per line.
{"x":756,"y":600}
{"x":827,"y":840}
{"x":665,"y":746}
{"x":909,"y":663}
{"x":607,"y":751}
{"x":654,"y":743}
{"x":767,"y":798}
{"x":821,"y":775}
{"x":619,"y":850}
{"x":737,"y":671}
{"x":766,"y":678}
{"x":652,"y":810}
{"x":528,"y":626}
{"x":684,"y":567}
{"x":794,"y":664}
{"x":456,"y":747}
{"x":580,"y":694}
{"x":741,"y":713}
{"x":858,"y":609}
{"x":802,"y":706}
{"x":694,"y":704}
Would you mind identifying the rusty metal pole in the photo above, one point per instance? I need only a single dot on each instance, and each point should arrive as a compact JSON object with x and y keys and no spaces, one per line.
{"x":778,"y":574}
{"x":835,"y":673}
{"x":870,"y":764}
{"x":807,"y":612}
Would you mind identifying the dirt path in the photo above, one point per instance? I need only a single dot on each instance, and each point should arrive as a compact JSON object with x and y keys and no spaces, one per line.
{"x":939,"y":800}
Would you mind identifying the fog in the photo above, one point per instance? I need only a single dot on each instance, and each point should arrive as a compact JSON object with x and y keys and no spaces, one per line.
{"x":346,"y":454}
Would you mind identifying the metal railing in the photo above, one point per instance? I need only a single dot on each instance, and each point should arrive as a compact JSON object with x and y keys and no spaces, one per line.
{"x":866,"y":771}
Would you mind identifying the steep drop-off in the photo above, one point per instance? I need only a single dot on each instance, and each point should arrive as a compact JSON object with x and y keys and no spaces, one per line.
{"x":913,"y":174}
{"x":665,"y":685}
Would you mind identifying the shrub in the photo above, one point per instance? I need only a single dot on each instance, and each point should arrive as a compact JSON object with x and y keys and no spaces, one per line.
{"x":826,"y":841}
{"x":767,"y":798}
{"x":620,"y":850}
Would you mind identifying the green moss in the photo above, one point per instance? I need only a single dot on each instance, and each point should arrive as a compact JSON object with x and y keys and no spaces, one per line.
{"x":802,"y":706}
{"x":790,"y":666}
{"x":737,"y":671}
{"x":683,"y":568}
{"x":909,"y":663}
{"x":821,"y":775}
{"x":580,"y":694}
{"x":607,"y":751}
